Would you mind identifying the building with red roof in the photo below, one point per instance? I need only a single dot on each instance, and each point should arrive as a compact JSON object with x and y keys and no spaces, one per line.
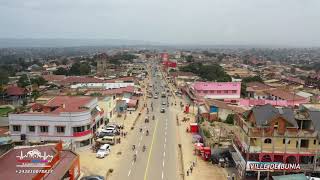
{"x":72,"y":119}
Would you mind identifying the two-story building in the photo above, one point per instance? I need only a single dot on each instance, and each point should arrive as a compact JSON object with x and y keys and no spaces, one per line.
{"x":213,"y":90}
{"x":72,"y":119}
{"x":278,"y":135}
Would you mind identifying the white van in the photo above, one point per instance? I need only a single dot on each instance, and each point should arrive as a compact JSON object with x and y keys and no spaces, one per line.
{"x":107,"y":140}
{"x":103,"y":151}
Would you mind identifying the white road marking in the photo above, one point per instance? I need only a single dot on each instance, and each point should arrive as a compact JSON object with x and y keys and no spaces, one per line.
{"x":132,"y":162}
{"x":140,"y":138}
{"x":165,"y":133}
{"x":136,"y":151}
{"x":163,"y":163}
{"x":165,"y":139}
{"x":129,"y":172}
{"x":162,"y":175}
{"x":164,"y":146}
{"x":164,"y":154}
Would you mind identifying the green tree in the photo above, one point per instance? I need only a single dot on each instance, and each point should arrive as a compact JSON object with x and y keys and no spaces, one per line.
{"x":38,"y":81}
{"x":23,"y":81}
{"x":75,"y":69}
{"x":84,"y":69}
{"x":189,"y":58}
{"x":35,"y":94}
{"x":4,"y":77}
{"x":60,"y":71}
{"x":213,"y":72}
{"x":230,"y":119}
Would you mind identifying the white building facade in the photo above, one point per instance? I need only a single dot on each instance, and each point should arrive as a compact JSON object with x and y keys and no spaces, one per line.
{"x":76,"y":128}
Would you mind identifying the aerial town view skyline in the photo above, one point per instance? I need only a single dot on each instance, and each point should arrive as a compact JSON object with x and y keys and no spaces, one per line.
{"x":160,"y":90}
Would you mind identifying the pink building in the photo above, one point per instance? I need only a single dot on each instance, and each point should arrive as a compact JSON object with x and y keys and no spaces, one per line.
{"x":214,"y":90}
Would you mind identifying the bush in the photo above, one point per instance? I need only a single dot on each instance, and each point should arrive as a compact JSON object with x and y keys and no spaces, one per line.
{"x":206,"y":133}
{"x":230,"y":119}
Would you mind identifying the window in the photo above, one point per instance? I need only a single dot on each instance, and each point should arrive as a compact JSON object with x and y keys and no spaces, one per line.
{"x":218,"y":92}
{"x":315,"y":141}
{"x":79,"y":129}
{"x":284,"y":141}
{"x":88,"y":127}
{"x":234,"y":91}
{"x":16,"y":128}
{"x":31,"y":129}
{"x":268,"y":141}
{"x":44,"y":129}
{"x":304,"y":143}
{"x":205,"y":91}
{"x":225,"y":91}
{"x":60,"y":129}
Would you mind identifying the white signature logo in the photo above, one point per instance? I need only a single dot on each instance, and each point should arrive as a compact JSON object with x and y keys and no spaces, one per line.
{"x":35,"y":153}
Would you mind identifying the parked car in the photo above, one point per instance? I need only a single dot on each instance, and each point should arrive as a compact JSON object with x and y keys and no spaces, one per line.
{"x":93,"y":177}
{"x":163,"y":103}
{"x":107,"y":140}
{"x":101,"y":134}
{"x":103,"y":151}
{"x":162,"y":110}
{"x":155,"y":97}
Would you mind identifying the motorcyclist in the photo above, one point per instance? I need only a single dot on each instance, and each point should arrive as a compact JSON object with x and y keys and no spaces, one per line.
{"x":147,"y":132}
{"x":144,"y":148}
{"x":153,"y":117}
{"x":133,"y":147}
{"x":134,"y":157}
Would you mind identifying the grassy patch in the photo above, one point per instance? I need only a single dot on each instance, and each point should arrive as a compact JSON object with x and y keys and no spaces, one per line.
{"x":4,"y":111}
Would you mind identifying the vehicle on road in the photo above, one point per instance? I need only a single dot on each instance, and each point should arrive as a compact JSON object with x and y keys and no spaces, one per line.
{"x":103,"y":151}
{"x":163,"y":94}
{"x":110,"y":130}
{"x":155,"y":97}
{"x":93,"y":177}
{"x":163,"y":103}
{"x":162,"y":110}
{"x":107,"y":140}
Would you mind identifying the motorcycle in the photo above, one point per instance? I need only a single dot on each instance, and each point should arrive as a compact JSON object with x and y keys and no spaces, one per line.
{"x":144,"y":148}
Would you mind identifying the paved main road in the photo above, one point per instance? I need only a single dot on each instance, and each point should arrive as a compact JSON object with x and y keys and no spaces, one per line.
{"x":160,"y":160}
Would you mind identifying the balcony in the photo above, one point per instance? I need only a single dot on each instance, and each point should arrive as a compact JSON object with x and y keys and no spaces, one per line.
{"x":83,"y":133}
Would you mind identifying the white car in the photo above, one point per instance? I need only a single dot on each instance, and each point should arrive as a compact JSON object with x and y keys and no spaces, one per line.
{"x":163,"y":103}
{"x":103,"y":151}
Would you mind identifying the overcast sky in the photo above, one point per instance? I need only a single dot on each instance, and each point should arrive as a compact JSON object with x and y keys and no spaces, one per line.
{"x":285,"y":22}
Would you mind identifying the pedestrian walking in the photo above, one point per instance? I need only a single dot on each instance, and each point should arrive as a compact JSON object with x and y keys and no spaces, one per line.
{"x":191,"y":168}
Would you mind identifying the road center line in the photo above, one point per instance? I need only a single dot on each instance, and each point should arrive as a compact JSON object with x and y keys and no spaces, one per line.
{"x":164,"y":146}
{"x":150,"y":152}
{"x":162,"y":175}
{"x":129,"y":172}
{"x":165,"y":139}
{"x":164,"y":154}
{"x":162,"y":163}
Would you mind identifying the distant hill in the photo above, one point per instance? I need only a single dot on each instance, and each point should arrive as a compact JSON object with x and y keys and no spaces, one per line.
{"x":18,"y":43}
